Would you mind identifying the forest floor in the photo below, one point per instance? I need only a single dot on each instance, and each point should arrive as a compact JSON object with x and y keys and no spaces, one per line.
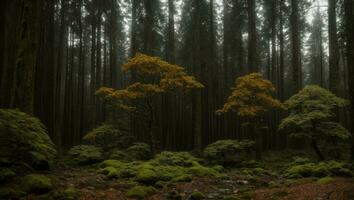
{"x":94,"y":186}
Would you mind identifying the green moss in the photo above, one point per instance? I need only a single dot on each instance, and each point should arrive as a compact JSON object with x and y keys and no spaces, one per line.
{"x":24,"y":138}
{"x":203,"y":171}
{"x":6,"y":174}
{"x":71,"y":193}
{"x":196,"y":195}
{"x":325,"y":180}
{"x":183,"y":159}
{"x":183,"y":178}
{"x":110,"y":172}
{"x":85,"y":154}
{"x":35,"y":183}
{"x":227,"y":152}
{"x":111,"y":163}
{"x":140,"y":151}
{"x":147,"y":175}
{"x":140,"y":192}
{"x":321,"y":169}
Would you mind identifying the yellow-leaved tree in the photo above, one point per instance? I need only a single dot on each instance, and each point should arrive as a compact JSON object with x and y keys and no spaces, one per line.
{"x":251,"y":98}
{"x":154,"y":77}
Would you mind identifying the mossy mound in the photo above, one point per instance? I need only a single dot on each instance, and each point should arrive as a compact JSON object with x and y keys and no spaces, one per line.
{"x":10,"y":193}
{"x":86,"y":154}
{"x":139,"y":151}
{"x":24,"y":138}
{"x":140,"y":192}
{"x":183,"y":159}
{"x":108,"y":136}
{"x":325,"y":180}
{"x":322,"y":169}
{"x":228,"y":152}
{"x":6,"y":174}
{"x":36,"y":183}
{"x":196,"y":195}
{"x":153,"y":171}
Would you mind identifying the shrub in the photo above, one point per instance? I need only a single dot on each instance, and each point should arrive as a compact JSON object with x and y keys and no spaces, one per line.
{"x":228,"y":151}
{"x":139,"y":151}
{"x":35,"y":183}
{"x":117,"y":154}
{"x":108,"y":137}
{"x":24,"y":138}
{"x":85,"y":154}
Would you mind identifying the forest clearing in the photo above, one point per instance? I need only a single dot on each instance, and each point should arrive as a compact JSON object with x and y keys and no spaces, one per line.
{"x":176,"y":100}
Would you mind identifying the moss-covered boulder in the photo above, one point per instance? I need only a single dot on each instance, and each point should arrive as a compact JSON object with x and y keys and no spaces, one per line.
{"x":108,"y":137}
{"x":36,"y":183}
{"x":6,"y":174}
{"x":24,"y":138}
{"x":86,"y":154}
{"x":184,"y":159}
{"x":140,"y":192}
{"x":322,"y":169}
{"x":228,"y":152}
{"x":139,"y":151}
{"x":196,"y":195}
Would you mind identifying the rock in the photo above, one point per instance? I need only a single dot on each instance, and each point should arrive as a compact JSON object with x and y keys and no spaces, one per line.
{"x":140,"y":192}
{"x":196,"y":195}
{"x":35,"y":183}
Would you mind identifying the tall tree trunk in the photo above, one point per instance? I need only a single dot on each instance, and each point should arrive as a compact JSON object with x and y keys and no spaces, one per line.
{"x":27,"y":47}
{"x":349,"y":28}
{"x":252,"y":37}
{"x":295,"y":46}
{"x":333,"y":48}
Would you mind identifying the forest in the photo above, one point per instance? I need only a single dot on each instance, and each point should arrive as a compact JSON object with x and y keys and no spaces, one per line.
{"x":176,"y":99}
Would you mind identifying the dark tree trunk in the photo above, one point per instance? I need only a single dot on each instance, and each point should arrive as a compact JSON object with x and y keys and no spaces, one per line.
{"x":252,"y":37}
{"x":334,"y":78}
{"x":295,"y":46}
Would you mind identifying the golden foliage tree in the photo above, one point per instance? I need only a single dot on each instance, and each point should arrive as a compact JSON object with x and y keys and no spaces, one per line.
{"x":251,"y":98}
{"x":156,"y":77}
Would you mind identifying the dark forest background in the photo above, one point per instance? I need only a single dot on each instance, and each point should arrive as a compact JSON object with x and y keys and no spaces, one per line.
{"x":54,"y":55}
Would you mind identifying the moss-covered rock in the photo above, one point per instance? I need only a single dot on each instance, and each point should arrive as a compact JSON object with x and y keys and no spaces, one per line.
{"x":325,"y":180}
{"x":200,"y":170}
{"x":140,"y":151}
{"x":24,"y":138}
{"x":86,"y":154}
{"x":183,"y":178}
{"x":196,"y":195}
{"x":322,"y":169}
{"x":227,"y":152}
{"x":184,"y":159}
{"x":36,"y":183}
{"x":140,"y":192}
{"x":112,"y":163}
{"x":6,"y":174}
{"x":147,"y":175}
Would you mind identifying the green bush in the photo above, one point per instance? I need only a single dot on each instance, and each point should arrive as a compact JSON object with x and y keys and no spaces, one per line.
{"x":117,"y":154}
{"x":226,"y":152}
{"x":35,"y":183}
{"x":24,"y":139}
{"x":108,"y":137}
{"x":85,"y":154}
{"x":139,"y":151}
